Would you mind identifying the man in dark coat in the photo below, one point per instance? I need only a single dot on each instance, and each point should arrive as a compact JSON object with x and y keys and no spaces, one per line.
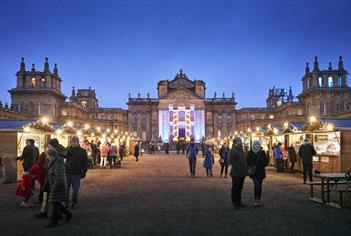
{"x":57,"y":185}
{"x":29,"y":155}
{"x":306,"y":152}
{"x":191,"y":153}
{"x":239,"y":171}
{"x":76,"y":168}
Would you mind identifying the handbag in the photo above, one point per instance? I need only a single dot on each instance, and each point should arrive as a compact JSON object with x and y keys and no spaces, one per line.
{"x":252,"y":169}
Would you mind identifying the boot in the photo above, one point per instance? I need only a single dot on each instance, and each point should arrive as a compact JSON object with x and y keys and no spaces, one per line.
{"x":257,"y":202}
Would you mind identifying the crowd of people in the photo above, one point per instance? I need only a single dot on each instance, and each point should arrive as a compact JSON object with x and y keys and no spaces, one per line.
{"x":250,"y":162}
{"x":284,"y":155}
{"x":59,"y":172}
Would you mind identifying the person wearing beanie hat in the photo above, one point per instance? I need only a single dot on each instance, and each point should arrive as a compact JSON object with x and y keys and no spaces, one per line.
{"x":238,"y":172}
{"x":76,"y":168}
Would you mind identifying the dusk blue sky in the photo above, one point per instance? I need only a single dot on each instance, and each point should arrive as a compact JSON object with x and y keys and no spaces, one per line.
{"x":121,"y":47}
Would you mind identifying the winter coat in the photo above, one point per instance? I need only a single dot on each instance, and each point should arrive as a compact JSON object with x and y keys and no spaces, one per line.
{"x":209,"y":160}
{"x":292,"y":154}
{"x":25,"y":187}
{"x":57,"y":180}
{"x":112,"y":151}
{"x":29,"y":156}
{"x":104,"y":150}
{"x":42,"y":169}
{"x":76,"y":161}
{"x":306,"y":152}
{"x":136,"y":150}
{"x":259,"y":160}
{"x":237,"y":159}
{"x":223,"y":154}
{"x":191,"y":151}
{"x":278,"y":153}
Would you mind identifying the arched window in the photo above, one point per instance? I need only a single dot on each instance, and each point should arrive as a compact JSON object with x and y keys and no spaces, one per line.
{"x":33,"y":82}
{"x":320,"y":82}
{"x":42,"y":84}
{"x":340,"y":81}
{"x":330,"y":82}
{"x":308,"y":84}
{"x":84,"y":103}
{"x":134,"y":118}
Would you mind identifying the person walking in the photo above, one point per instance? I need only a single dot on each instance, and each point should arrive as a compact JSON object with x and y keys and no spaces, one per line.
{"x":76,"y":168}
{"x":208,"y":161}
{"x":256,"y":162}
{"x":306,"y":152}
{"x":57,"y":184}
{"x":136,"y":151}
{"x":45,"y":189}
{"x":104,"y":154}
{"x":191,"y":153}
{"x":278,"y":155}
{"x":238,"y":172}
{"x":223,"y":159}
{"x":203,"y":149}
{"x":292,"y":157}
{"x":167,"y":148}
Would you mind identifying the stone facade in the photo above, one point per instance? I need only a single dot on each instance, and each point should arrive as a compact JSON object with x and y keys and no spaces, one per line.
{"x":181,"y":109}
{"x":38,"y":92}
{"x":325,"y":94}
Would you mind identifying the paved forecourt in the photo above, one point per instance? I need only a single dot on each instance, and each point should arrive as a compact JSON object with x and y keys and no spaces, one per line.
{"x":156,"y":196}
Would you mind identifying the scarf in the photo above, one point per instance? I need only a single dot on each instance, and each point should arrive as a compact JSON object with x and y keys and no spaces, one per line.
{"x":256,"y":146}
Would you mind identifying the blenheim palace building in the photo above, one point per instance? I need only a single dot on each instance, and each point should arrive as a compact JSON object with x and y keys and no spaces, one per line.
{"x":181,"y":109}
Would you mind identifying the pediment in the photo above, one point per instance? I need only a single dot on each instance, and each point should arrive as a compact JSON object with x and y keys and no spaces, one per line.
{"x":181,"y":94}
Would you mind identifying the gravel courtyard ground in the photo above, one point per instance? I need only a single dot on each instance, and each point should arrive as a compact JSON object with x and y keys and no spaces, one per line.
{"x":156,"y":196}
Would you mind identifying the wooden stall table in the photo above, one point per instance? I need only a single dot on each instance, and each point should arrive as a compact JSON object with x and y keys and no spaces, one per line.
{"x":328,"y":181}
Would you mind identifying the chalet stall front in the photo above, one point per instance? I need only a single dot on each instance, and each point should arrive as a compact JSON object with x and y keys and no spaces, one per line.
{"x":13,"y":136}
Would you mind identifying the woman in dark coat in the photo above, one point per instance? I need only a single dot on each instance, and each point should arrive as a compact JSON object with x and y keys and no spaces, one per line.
{"x":223,"y":159}
{"x":58,"y":186}
{"x":256,"y":162}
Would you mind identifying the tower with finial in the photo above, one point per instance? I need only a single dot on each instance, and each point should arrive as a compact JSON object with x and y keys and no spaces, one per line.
{"x":38,"y":92}
{"x":325,"y":91}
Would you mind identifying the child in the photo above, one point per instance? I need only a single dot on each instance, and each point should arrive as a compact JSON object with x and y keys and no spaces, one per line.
{"x":209,"y":161}
{"x":25,"y":187}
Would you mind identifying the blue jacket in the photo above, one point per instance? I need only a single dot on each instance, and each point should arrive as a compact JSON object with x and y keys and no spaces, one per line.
{"x":278,"y":154}
{"x":209,"y":160}
{"x":191,"y":151}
